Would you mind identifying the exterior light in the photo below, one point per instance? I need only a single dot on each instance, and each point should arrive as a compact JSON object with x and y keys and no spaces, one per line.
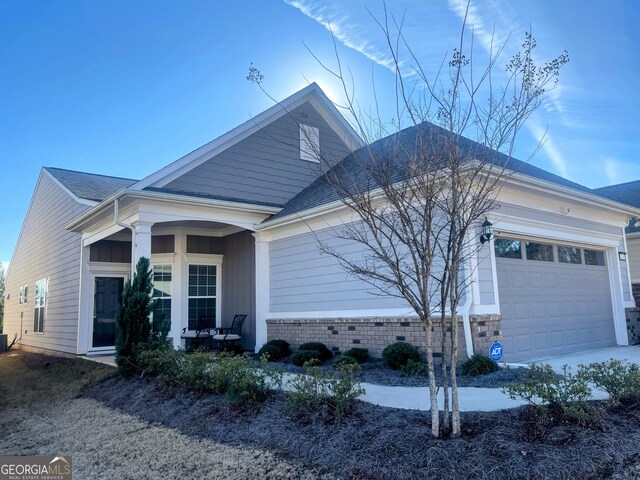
{"x":622,"y":256}
{"x":487,"y":231}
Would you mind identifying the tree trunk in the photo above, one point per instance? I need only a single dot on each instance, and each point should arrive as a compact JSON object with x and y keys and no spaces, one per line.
{"x":446,"y":425}
{"x":455,"y":406}
{"x":433,"y":388}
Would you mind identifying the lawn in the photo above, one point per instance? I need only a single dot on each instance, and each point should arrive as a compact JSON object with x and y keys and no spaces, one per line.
{"x":137,"y":428}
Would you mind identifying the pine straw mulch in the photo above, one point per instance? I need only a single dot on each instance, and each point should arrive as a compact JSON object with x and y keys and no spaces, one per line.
{"x":385,"y":443}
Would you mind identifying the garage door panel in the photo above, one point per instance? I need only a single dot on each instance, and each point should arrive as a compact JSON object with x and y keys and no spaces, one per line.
{"x":551,"y":308}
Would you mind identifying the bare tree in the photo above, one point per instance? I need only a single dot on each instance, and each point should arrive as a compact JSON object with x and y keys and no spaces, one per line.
{"x":419,"y":189}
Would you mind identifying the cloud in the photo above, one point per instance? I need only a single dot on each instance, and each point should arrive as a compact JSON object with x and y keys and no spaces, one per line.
{"x":549,"y":148}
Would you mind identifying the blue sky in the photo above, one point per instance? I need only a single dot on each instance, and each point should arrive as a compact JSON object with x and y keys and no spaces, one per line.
{"x":123,"y":88}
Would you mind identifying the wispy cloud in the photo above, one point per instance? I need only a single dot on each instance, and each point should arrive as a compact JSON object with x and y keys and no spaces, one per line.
{"x":541,"y":135}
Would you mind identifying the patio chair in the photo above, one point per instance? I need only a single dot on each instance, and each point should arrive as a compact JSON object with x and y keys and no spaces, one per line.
{"x":225,"y":336}
{"x":201,"y":334}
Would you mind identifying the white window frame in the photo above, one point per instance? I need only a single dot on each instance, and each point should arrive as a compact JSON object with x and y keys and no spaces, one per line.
{"x":309,"y":143}
{"x":40,"y":304}
{"x":24,"y":294}
{"x":217,"y":262}
{"x":170,"y":295}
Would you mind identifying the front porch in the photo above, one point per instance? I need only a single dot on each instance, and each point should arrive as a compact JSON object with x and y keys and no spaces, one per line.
{"x":203,"y":263}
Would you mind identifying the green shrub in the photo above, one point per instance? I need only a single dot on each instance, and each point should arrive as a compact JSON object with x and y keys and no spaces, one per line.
{"x":414,"y":369}
{"x":301,"y":357}
{"x":164,"y":363}
{"x":479,"y":365}
{"x":247,"y":386}
{"x":619,"y":379}
{"x":344,"y":359}
{"x":566,"y":394}
{"x":397,"y":355}
{"x":319,"y":392}
{"x":272,"y":352}
{"x":195,"y":373}
{"x":360,"y":354}
{"x":325,"y":353}
{"x":282,"y":345}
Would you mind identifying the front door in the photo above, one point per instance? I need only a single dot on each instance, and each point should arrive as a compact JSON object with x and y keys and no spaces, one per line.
{"x":107,"y":298}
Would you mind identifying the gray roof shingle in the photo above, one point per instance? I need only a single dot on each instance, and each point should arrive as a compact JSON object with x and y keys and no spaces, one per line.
{"x":397,"y":146}
{"x":628,"y":193}
{"x":89,"y":186}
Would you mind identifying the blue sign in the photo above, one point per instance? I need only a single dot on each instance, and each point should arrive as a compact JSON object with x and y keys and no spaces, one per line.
{"x":495,"y":352}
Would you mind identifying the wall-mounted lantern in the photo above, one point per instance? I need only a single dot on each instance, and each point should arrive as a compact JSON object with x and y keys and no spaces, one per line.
{"x":622,"y":256}
{"x":487,"y":231}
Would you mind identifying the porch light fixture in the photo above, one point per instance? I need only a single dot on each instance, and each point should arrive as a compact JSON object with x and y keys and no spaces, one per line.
{"x":487,"y":231}
{"x":622,"y":256}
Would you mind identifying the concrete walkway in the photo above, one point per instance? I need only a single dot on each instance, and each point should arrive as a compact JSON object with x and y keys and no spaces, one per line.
{"x":472,"y":399}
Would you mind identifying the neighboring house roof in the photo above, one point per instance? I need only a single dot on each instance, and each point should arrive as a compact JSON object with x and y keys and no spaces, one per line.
{"x":89,"y":186}
{"x":628,"y":193}
{"x":321,"y":192}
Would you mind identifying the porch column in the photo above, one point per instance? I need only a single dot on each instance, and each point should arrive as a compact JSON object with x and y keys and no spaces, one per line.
{"x":141,"y":241}
{"x":262,"y":289}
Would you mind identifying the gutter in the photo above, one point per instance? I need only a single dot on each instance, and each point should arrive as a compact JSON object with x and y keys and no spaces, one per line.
{"x":116,"y":219}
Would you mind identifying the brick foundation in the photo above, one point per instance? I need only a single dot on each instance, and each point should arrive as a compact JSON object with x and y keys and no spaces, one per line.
{"x":375,"y":333}
{"x":633,"y":325}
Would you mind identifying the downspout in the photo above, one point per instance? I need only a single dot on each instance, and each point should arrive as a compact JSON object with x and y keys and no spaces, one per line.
{"x":466,"y":322}
{"x":116,"y":217}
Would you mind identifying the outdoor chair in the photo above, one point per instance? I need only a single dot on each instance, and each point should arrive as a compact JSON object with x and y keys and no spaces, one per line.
{"x":201,"y":334}
{"x":230,"y":335}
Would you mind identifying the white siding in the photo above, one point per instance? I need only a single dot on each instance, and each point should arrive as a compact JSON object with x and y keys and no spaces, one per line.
{"x":633,"y":257}
{"x":46,"y":250}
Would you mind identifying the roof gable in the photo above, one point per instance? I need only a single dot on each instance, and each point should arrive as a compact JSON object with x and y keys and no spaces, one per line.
{"x":312,"y":94}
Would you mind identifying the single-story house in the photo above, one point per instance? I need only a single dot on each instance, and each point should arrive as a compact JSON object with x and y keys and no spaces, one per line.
{"x":231,"y":228}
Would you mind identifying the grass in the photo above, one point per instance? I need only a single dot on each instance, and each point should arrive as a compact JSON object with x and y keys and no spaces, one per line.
{"x":42,"y":412}
{"x":136,"y":428}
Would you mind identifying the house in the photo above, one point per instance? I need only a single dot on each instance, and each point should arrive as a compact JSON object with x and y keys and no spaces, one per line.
{"x":231,"y":228}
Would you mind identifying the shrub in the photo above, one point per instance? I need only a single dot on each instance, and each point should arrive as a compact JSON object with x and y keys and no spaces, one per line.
{"x":325,"y":353}
{"x":344,"y":359}
{"x":479,"y":365}
{"x":566,"y":394}
{"x":246,"y":385}
{"x":360,"y":354}
{"x":319,"y":392}
{"x":273,"y":353}
{"x":414,"y":369}
{"x":282,"y":345}
{"x":164,"y":363}
{"x":132,"y":318}
{"x":301,"y":357}
{"x":397,"y":355}
{"x":619,"y":379}
{"x":195,"y":373}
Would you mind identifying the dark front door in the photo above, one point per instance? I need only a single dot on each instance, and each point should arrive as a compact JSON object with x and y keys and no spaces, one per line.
{"x":108,"y":294}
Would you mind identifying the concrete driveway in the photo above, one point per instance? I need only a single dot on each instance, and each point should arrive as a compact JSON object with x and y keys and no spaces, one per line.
{"x":630,"y":354}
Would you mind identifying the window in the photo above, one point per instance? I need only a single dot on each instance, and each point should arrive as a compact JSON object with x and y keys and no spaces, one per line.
{"x":162,"y":289}
{"x":506,"y":248}
{"x":40,"y":302}
{"x":539,"y":251}
{"x":594,"y":257}
{"x":24,"y":294}
{"x":309,"y":143}
{"x":202,"y":296}
{"x":569,"y":254}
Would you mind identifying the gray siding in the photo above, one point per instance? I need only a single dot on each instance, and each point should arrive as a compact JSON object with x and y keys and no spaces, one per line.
{"x":303,"y":279}
{"x":46,"y":249}
{"x":624,"y":265}
{"x":485,"y":275}
{"x":633,"y":257}
{"x":238,"y":284}
{"x":266,"y":166}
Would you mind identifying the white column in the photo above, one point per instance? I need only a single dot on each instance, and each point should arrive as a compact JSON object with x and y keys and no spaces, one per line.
{"x":85,"y":302}
{"x":141,"y":241}
{"x":262,"y":289}
{"x":617,"y":300}
{"x":179,"y":281}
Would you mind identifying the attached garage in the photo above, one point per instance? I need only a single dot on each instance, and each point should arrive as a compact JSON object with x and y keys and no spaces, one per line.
{"x":554,"y":298}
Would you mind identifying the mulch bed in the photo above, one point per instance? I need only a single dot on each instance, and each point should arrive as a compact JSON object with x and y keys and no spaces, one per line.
{"x":375,"y":371}
{"x":384,"y":443}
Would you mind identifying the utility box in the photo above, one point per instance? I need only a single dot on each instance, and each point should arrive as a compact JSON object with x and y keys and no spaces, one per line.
{"x":3,"y":342}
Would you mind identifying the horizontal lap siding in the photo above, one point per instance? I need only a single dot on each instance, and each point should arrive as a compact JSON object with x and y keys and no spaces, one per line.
{"x":633,"y":257}
{"x":303,"y":279}
{"x":266,"y":166}
{"x":46,"y":249}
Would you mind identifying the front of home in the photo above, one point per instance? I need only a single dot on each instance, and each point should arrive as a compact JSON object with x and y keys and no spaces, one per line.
{"x":233,"y":227}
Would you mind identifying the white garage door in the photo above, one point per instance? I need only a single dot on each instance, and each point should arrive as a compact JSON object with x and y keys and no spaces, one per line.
{"x":554,"y":299}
